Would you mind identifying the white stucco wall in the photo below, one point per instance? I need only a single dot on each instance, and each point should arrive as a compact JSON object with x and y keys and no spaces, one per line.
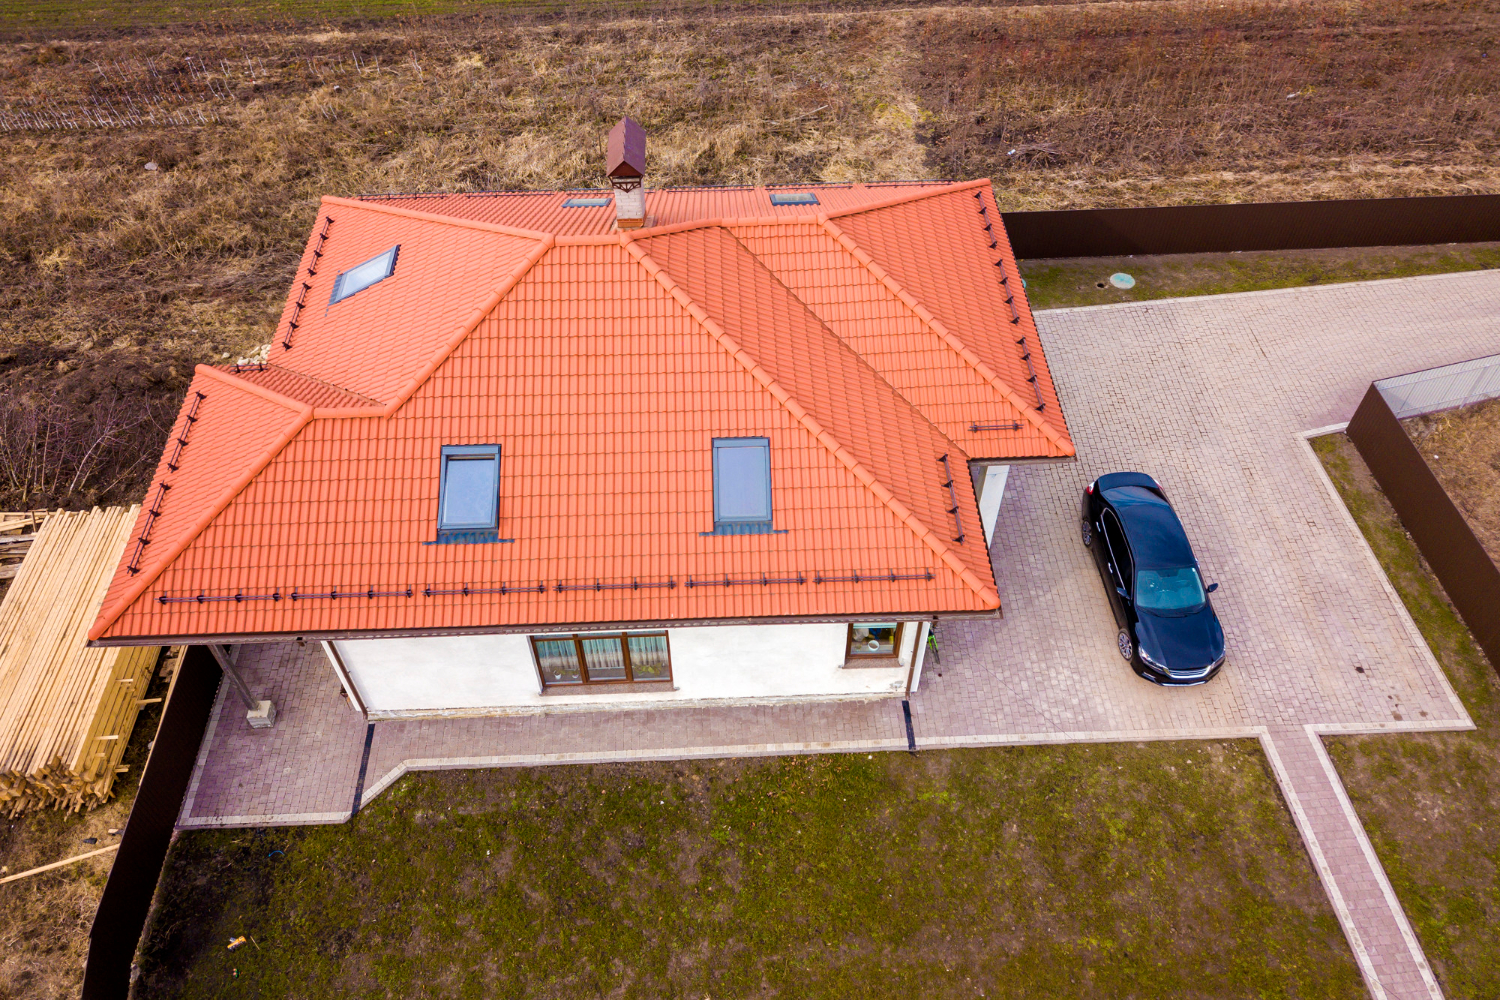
{"x":990,"y":496}
{"x":496,"y":675}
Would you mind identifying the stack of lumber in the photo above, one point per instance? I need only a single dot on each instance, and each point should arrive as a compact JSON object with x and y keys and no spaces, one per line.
{"x":66,"y":710}
{"x":17,"y":532}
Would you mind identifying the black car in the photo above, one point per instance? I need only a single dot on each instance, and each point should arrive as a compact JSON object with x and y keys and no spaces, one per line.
{"x":1169,"y":633}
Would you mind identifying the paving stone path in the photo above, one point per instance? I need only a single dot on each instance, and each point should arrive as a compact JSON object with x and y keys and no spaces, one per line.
{"x":1214,"y":397}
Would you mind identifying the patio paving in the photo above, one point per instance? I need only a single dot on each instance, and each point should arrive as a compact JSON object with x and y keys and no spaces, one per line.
{"x":1212,"y":396}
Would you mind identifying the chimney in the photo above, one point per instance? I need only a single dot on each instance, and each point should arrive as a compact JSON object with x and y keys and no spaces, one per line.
{"x":625,"y":163}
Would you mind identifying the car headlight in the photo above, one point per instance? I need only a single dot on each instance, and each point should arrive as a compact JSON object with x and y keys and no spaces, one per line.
{"x":1148,"y":658}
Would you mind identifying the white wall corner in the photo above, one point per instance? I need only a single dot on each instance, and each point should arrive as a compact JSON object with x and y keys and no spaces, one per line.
{"x":919,"y":657}
{"x":990,"y":496}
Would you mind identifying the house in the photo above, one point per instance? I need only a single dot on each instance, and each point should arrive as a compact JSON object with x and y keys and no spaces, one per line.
{"x":526,"y":452}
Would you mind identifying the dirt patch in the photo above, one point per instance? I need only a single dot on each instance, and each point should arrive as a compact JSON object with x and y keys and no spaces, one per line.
{"x":1116,"y":104}
{"x":45,"y":919}
{"x":1462,"y":447}
{"x":1429,"y":800}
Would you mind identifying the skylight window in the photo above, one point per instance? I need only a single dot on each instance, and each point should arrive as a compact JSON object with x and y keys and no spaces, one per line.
{"x":362,"y":276}
{"x":469,"y":491}
{"x":742,"y":485}
{"x":793,"y":198}
{"x":585,"y":203}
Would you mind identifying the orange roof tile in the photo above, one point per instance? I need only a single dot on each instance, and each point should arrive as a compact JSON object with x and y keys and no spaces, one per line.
{"x":603,"y":364}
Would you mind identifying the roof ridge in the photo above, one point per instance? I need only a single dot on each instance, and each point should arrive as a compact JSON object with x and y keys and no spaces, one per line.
{"x":235,"y":370}
{"x":447,"y":220}
{"x":904,"y":199}
{"x":947,"y":336}
{"x":229,"y":378}
{"x":882,"y":492}
{"x":132,"y":593}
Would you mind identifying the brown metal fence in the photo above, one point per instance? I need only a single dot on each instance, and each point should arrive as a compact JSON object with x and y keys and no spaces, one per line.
{"x":143,"y":847}
{"x":1439,"y":528}
{"x":1288,"y":225}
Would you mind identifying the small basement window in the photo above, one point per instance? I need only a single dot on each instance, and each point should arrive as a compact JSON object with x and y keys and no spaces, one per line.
{"x":793,"y":198}
{"x":469,"y":490}
{"x":585,"y":203}
{"x":362,"y":276}
{"x":742,"y":485}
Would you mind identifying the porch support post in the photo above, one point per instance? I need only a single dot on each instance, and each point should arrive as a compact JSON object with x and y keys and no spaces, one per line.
{"x":259,"y":713}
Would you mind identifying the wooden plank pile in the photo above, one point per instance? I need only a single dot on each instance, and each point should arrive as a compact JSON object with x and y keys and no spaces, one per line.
{"x":66,"y":710}
{"x":17,"y":531}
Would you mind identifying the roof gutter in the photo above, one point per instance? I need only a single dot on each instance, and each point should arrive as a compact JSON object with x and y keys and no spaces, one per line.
{"x":232,"y":638}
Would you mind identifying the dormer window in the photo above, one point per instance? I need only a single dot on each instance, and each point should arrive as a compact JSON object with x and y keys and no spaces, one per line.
{"x":742,"y":486}
{"x":469,"y":493}
{"x":362,"y":276}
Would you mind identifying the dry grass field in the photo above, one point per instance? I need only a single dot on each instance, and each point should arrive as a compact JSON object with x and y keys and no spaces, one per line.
{"x":116,"y":278}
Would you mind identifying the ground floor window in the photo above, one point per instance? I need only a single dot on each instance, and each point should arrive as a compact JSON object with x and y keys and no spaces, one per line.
{"x":873,"y":641}
{"x":603,"y":659}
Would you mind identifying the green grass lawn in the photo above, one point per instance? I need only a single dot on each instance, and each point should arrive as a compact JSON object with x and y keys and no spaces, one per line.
{"x":1430,"y":801}
{"x":1145,"y":870}
{"x":1076,"y":282}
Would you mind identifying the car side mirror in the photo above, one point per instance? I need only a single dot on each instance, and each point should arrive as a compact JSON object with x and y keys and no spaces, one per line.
{"x":1212,"y":587}
{"x":1121,"y":592}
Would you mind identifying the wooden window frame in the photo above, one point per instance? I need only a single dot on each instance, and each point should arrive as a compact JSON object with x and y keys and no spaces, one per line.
{"x":628,"y":681}
{"x":853,"y":659}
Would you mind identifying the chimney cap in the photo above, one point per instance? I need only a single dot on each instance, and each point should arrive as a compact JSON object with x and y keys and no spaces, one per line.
{"x":626,"y":155}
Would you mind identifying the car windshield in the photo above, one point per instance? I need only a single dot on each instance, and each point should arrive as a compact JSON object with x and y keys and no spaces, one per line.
{"x":1169,"y":589}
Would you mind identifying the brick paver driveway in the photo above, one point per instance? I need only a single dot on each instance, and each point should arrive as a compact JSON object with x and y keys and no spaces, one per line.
{"x":1211,"y":396}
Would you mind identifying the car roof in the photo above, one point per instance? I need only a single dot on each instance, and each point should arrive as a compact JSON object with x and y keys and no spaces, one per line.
{"x":1156,"y":536}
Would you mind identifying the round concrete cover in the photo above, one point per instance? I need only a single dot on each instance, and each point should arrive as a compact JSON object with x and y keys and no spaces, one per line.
{"x":1121,"y":280}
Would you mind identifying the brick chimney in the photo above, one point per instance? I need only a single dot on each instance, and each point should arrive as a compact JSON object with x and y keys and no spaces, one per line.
{"x":625,"y":163}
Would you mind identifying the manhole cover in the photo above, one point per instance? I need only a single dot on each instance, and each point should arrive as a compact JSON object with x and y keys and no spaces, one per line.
{"x":1122,"y":280}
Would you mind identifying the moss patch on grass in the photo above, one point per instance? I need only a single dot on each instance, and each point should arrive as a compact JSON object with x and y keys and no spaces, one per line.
{"x":1429,"y":800}
{"x":1085,"y":281}
{"x":1163,"y":870}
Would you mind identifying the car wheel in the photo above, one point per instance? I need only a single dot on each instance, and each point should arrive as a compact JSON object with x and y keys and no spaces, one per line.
{"x":1088,"y":533}
{"x":1127,"y":645}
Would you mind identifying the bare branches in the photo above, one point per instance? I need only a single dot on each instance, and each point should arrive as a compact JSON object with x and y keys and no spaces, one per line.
{"x":60,"y":450}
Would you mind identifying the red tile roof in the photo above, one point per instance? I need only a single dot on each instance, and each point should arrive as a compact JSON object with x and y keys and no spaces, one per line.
{"x":867,"y":337}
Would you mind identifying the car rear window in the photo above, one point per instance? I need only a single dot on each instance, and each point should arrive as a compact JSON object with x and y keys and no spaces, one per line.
{"x":1123,"y":496}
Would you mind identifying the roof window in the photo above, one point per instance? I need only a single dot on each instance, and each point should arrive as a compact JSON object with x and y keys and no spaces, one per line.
{"x":469,"y":490}
{"x":362,"y":276}
{"x":793,"y":198}
{"x":742,"y":486}
{"x":585,"y":203}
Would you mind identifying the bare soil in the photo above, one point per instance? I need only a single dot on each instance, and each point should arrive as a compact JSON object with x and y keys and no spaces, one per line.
{"x":1462,"y":447}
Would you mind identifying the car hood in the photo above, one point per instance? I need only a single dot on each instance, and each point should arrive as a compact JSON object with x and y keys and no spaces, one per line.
{"x":1182,"y":642}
